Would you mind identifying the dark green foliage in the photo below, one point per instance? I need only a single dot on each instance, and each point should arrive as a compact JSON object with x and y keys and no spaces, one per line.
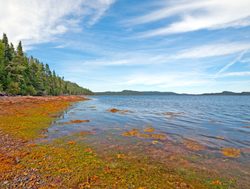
{"x":1,"y":64}
{"x":22,"y":75}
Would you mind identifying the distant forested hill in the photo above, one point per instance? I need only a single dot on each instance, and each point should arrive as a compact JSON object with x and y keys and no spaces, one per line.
{"x":22,"y":75}
{"x":129,"y":92}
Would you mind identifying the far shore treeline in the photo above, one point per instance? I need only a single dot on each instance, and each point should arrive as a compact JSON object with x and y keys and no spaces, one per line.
{"x":23,"y":75}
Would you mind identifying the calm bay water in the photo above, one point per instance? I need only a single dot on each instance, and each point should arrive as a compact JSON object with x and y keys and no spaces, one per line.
{"x":207,"y":119}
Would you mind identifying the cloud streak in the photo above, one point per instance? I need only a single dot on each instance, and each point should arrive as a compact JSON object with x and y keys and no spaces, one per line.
{"x":147,"y":57}
{"x":168,"y":80}
{"x":237,"y":59}
{"x":35,"y":21}
{"x":235,"y":74}
{"x":196,"y":15}
{"x":215,"y":49}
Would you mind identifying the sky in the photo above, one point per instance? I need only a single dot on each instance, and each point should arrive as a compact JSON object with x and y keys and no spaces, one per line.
{"x":184,"y":46}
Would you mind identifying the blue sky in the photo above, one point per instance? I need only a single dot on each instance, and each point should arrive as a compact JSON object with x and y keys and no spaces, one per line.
{"x":185,"y":46}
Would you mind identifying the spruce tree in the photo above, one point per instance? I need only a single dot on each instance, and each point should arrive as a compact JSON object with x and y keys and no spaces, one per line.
{"x":2,"y":71}
{"x":21,"y":75}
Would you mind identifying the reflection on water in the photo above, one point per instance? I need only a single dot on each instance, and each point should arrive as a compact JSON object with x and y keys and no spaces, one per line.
{"x":216,"y":121}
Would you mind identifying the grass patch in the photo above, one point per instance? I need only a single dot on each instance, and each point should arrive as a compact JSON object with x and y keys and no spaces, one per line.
{"x":28,"y":120}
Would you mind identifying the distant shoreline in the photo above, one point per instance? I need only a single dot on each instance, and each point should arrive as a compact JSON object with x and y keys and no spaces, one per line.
{"x":129,"y":92}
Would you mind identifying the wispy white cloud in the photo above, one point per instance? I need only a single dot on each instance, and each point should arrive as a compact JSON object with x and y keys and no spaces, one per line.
{"x":233,"y":74}
{"x":35,"y":21}
{"x":149,"y":57}
{"x":215,"y":49}
{"x":227,"y":66}
{"x":247,"y":60}
{"x":125,"y":59}
{"x":99,"y":8}
{"x":168,"y":10}
{"x":168,"y":79}
{"x":178,"y":81}
{"x":196,"y":15}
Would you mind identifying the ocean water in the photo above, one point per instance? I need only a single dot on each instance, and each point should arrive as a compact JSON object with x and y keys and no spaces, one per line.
{"x":207,"y":119}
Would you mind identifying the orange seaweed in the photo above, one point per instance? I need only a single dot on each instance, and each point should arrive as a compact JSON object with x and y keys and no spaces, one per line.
{"x":75,"y":122}
{"x":193,"y":145}
{"x":120,"y":156}
{"x":137,"y":133}
{"x":114,"y":110}
{"x":231,"y":152}
{"x":79,"y":121}
{"x":149,"y":129}
{"x":71,"y":142}
{"x":159,"y":136}
{"x":133,"y":132}
{"x":216,"y":182}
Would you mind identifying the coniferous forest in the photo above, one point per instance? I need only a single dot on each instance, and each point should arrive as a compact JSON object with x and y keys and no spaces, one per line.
{"x":23,"y":75}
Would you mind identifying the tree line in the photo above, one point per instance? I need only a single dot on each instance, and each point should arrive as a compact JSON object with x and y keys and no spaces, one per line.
{"x":23,"y":75}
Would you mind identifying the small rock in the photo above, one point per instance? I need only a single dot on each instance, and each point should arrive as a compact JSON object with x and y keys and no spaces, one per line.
{"x":17,"y":160}
{"x":5,"y":182}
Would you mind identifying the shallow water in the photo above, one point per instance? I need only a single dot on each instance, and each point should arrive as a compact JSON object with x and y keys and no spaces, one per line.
{"x":198,"y":129}
{"x":205,"y":118}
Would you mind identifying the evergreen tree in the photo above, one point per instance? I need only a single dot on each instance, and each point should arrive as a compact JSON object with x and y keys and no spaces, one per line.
{"x":21,"y":75}
{"x":20,"y":49}
{"x":2,"y":72}
{"x":15,"y":70}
